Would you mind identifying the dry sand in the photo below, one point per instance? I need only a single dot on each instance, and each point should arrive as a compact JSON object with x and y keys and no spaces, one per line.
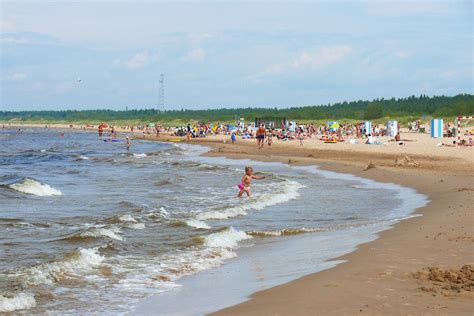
{"x":422,"y":266}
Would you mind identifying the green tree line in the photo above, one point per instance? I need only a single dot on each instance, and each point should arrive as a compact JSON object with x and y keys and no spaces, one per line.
{"x":436,"y":106}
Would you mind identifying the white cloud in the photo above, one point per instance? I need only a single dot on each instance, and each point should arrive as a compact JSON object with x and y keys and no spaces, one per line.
{"x":194,"y":56}
{"x":140,"y":60}
{"x":323,"y":57}
{"x":17,"y":76}
{"x":137,"y":61}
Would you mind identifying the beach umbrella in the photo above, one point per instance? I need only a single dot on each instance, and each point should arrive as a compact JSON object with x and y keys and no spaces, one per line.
{"x":334,"y":126}
{"x":151,"y":125}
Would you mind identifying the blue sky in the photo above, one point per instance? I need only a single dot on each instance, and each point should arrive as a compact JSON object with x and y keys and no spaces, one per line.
{"x":229,"y":54}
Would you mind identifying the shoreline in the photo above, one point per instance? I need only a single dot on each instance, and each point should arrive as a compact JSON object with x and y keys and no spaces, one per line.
{"x":390,"y":268}
{"x":385,"y":267}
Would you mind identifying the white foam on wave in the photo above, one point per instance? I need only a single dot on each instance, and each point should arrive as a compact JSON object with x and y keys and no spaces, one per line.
{"x":80,"y":261}
{"x":164,"y":271}
{"x":288,"y":190}
{"x":142,"y":155}
{"x":284,"y":232}
{"x":127,"y":218}
{"x":228,"y":238}
{"x":137,"y":226}
{"x":197,"y":224}
{"x":83,"y":158}
{"x":17,"y":302}
{"x":102,"y":232}
{"x":34,"y":187}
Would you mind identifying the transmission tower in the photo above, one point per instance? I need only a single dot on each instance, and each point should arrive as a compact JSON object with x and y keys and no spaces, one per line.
{"x":161,"y":96}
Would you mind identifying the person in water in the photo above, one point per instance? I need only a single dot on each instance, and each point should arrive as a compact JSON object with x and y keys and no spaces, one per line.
{"x":247,"y":180}
{"x":128,"y":143}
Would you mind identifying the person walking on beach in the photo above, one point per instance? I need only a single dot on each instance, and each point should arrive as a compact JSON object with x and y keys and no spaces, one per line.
{"x":247,"y":180}
{"x":261,"y":136}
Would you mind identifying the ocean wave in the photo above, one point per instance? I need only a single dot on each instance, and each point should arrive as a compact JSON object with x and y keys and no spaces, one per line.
{"x":195,"y":164}
{"x":163,"y":182}
{"x":137,"y":226}
{"x":162,"y":273}
{"x":282,"y":232}
{"x":10,"y":219}
{"x":34,"y":187}
{"x":142,"y":155}
{"x":23,"y":300}
{"x":83,"y":158}
{"x":286,"y":191}
{"x":155,"y":214}
{"x":228,"y":238}
{"x":127,"y":218}
{"x":76,"y":263}
{"x":197,"y":224}
{"x":95,"y":232}
{"x":101,"y":232}
{"x":104,"y":159}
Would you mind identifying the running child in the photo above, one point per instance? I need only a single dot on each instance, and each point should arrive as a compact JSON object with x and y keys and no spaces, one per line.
{"x":247,"y":180}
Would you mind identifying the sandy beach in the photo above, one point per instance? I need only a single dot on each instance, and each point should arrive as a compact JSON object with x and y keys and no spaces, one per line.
{"x":422,"y":266}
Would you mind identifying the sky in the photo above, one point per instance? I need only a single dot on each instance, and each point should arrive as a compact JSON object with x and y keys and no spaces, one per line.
{"x":216,"y":54}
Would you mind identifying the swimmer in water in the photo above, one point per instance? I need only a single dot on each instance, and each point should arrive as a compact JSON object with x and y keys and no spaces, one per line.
{"x":128,"y":143}
{"x":247,"y":180}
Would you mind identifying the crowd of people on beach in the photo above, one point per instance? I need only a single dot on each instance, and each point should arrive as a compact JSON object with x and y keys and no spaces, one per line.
{"x":266,"y":134}
{"x":299,"y":132}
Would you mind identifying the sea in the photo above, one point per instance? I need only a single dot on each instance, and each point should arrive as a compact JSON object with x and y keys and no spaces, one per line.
{"x":89,"y":227}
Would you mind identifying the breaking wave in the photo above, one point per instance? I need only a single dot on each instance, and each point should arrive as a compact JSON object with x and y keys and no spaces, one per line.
{"x":34,"y":187}
{"x":282,"y":232}
{"x":127,"y":218}
{"x":96,"y":232}
{"x":225,"y":239}
{"x":19,"y":301}
{"x":75,"y":263}
{"x":142,"y":155}
{"x":197,"y":224}
{"x":216,"y":248}
{"x":288,"y":190}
